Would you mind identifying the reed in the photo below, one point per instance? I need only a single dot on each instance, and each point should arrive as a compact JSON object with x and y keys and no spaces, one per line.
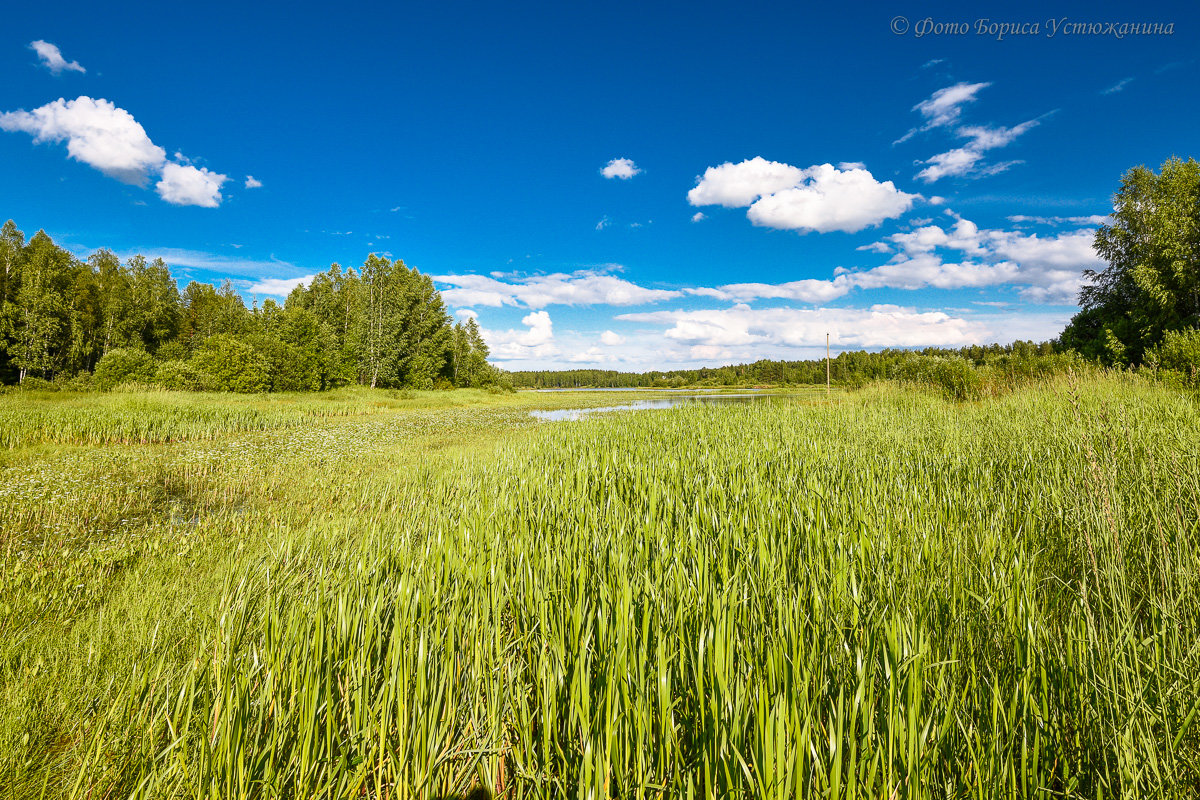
{"x":890,"y":595}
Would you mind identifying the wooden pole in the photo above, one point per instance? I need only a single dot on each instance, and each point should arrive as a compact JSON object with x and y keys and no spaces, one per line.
{"x":826,"y":366}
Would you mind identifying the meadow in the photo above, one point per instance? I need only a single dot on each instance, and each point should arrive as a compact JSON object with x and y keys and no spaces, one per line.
{"x":884,"y":594}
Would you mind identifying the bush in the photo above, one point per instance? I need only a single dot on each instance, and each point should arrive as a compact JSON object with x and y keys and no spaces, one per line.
{"x":233,"y":365}
{"x":1179,"y":352}
{"x":956,"y":377}
{"x":182,"y":376}
{"x":31,"y":384}
{"x":172,"y":351}
{"x":80,"y":383}
{"x":124,"y":365}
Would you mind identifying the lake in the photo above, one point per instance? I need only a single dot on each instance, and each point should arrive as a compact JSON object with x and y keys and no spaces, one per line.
{"x":566,"y":414}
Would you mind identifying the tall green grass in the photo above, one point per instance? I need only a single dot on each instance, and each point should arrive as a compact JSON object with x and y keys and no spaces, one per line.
{"x":888,"y":596}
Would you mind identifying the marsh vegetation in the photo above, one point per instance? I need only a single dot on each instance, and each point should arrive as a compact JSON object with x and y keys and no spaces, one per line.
{"x":413,"y":595}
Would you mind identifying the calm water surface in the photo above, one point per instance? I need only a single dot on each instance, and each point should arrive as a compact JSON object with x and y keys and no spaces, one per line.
{"x":566,"y":414}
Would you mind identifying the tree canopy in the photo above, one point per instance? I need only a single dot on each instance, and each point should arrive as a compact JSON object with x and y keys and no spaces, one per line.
{"x":64,"y":318}
{"x":1151,"y":286}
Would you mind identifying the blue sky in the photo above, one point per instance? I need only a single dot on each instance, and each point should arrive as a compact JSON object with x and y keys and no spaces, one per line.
{"x":630,"y":186}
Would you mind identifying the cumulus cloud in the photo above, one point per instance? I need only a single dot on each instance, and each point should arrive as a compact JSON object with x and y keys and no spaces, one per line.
{"x":52,"y":58}
{"x":252,"y":182}
{"x":278,"y":287}
{"x":185,"y":185}
{"x":97,"y":133}
{"x":1047,"y":269}
{"x":536,"y":341}
{"x":466,"y":313}
{"x":622,"y":168}
{"x":582,"y":287}
{"x":708,"y":331}
{"x":611,"y":339}
{"x":1043,"y":269}
{"x":739,"y":185}
{"x":592,"y":355}
{"x":804,"y":291}
{"x":109,"y":139}
{"x":698,"y":216}
{"x":929,"y":270}
{"x":820,"y":198}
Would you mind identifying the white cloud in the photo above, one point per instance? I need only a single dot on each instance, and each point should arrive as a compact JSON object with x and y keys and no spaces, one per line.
{"x":110,"y":140}
{"x":211,"y":262}
{"x":611,"y":339}
{"x":805,"y":291}
{"x":466,"y":313}
{"x":965,"y":160}
{"x":698,"y":216}
{"x":52,"y":58}
{"x":96,"y":132}
{"x":1091,"y":219}
{"x":944,"y":109}
{"x":1119,"y":86}
{"x":739,"y":185}
{"x":1045,"y":269}
{"x":929,"y":270}
{"x":832,"y":200}
{"x":1048,"y":269}
{"x":985,"y":138}
{"x":190,"y":186}
{"x":593,"y":355}
{"x":603,"y":223}
{"x":622,"y":168}
{"x":724,"y":330}
{"x":278,"y":287}
{"x":252,"y":182}
{"x":536,"y":341}
{"x":821,"y":198}
{"x":945,"y":105}
{"x":583,"y":287}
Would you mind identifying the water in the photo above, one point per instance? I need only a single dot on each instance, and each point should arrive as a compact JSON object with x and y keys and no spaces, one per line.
{"x":632,"y":389}
{"x":567,"y":414}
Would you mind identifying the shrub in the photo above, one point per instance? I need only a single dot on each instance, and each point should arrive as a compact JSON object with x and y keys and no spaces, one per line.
{"x":234,"y":365}
{"x":182,"y":376}
{"x":172,"y":351}
{"x":1179,"y":352}
{"x":32,"y":384}
{"x":80,"y":383}
{"x":956,"y":377}
{"x":124,"y":365}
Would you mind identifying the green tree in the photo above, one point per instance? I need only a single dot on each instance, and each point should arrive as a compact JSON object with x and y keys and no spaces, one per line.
{"x":115,"y":297}
{"x":42,"y":324}
{"x":156,"y":310}
{"x":1152,"y":282}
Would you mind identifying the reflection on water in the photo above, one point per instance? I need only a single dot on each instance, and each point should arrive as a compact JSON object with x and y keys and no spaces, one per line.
{"x":628,"y":389}
{"x":565,"y":414}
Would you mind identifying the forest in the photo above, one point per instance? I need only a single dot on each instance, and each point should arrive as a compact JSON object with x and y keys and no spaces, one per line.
{"x":851,"y":368}
{"x":100,"y":322}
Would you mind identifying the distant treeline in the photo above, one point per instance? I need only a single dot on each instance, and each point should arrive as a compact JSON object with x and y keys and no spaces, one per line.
{"x":847,"y":369}
{"x":103,"y":322}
